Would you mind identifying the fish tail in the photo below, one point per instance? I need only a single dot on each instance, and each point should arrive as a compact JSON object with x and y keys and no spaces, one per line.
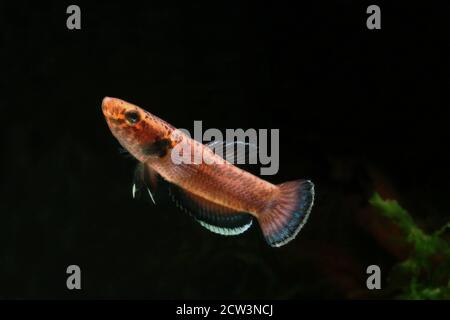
{"x":284,"y":216}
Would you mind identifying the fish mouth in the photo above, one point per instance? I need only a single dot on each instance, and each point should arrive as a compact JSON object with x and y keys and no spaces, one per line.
{"x":110,"y":112}
{"x":107,"y":106}
{"x":111,"y":109}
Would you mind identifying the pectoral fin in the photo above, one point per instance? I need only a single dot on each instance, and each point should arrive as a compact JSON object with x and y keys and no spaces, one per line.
{"x":145,"y":181}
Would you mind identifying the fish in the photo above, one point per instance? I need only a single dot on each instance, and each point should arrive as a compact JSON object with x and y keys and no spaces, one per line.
{"x":222,"y":197}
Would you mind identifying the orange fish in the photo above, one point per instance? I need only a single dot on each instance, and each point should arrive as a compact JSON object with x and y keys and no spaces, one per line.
{"x":220,"y":196}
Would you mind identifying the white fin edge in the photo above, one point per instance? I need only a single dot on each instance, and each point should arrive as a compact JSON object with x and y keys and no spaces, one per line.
{"x":134,"y":190}
{"x":226,"y":231}
{"x":151,"y":195}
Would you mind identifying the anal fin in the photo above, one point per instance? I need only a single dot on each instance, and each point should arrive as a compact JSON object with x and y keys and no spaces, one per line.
{"x":214,"y":217}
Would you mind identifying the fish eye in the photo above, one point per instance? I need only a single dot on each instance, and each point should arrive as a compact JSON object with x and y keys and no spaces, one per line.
{"x":132,"y":117}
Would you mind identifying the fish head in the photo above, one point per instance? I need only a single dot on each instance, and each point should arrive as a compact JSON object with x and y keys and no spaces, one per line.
{"x":138,"y":131}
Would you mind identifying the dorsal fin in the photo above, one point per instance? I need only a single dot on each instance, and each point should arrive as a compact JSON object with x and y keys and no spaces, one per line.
{"x":236,"y":152}
{"x":214,"y":217}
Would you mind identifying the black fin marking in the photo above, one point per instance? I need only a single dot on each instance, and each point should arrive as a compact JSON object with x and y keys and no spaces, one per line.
{"x":214,"y":217}
{"x":158,"y":148}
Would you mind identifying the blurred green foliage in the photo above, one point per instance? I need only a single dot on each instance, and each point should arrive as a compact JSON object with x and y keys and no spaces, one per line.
{"x":425,"y":274}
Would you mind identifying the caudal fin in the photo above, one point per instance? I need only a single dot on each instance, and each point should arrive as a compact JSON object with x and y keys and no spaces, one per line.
{"x":283,"y":218}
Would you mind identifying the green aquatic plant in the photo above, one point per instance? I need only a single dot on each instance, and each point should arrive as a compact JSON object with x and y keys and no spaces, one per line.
{"x":425,"y":274}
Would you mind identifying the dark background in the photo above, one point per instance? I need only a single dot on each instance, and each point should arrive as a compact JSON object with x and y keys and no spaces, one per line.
{"x":358,"y":111}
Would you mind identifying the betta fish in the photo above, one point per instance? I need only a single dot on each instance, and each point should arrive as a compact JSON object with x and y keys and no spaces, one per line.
{"x":222,"y":197}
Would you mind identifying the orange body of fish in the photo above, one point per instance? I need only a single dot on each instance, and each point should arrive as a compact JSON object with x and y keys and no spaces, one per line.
{"x":222,"y":197}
